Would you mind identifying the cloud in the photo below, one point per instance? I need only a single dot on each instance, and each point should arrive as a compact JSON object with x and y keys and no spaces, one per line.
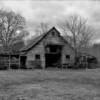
{"x":23,"y":7}
{"x":54,"y":11}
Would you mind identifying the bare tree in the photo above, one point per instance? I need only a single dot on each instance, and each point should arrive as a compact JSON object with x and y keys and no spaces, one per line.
{"x":77,"y":31}
{"x":10,"y":24}
{"x":42,"y":28}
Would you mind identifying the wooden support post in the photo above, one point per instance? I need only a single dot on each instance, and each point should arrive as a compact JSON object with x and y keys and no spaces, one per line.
{"x":19,"y":63}
{"x":86,"y":62}
{"x":9,"y":61}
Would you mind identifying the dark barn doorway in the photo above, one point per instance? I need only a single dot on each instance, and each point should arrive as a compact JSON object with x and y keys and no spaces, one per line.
{"x":23,"y":62}
{"x":53,"y":56}
{"x":53,"y":60}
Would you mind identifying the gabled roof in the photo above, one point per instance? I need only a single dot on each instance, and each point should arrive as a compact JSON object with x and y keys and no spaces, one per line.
{"x":35,"y":41}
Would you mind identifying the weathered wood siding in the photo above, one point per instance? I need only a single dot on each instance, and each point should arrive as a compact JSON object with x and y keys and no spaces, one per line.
{"x":67,"y":51}
{"x":53,"y":39}
{"x":39,"y":49}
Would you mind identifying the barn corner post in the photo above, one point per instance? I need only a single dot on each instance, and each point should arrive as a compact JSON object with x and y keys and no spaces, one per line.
{"x":43,"y":65}
{"x":43,"y":61}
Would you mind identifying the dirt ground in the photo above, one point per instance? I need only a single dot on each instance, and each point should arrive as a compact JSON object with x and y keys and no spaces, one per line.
{"x":50,"y":84}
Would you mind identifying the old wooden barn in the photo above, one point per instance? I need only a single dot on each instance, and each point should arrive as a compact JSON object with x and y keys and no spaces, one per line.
{"x":48,"y":50}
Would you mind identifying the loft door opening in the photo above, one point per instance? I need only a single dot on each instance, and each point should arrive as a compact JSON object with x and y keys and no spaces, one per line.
{"x":53,"y":55}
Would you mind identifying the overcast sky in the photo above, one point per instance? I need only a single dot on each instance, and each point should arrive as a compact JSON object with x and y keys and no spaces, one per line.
{"x":53,"y":11}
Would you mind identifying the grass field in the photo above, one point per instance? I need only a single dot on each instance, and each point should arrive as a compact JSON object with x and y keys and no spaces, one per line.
{"x":50,"y":85}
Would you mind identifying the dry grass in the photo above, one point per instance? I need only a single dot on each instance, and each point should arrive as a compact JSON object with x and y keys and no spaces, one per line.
{"x":50,"y":85}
